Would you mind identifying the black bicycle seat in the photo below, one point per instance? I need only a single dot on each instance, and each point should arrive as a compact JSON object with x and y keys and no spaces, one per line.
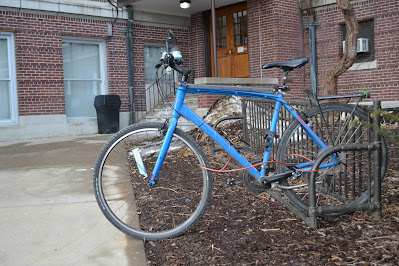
{"x":287,"y":65}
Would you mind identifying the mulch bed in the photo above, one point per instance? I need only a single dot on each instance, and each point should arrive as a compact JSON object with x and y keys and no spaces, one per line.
{"x":242,"y":228}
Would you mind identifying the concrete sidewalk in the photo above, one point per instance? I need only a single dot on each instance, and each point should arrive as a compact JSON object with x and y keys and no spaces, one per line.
{"x":48,"y":211}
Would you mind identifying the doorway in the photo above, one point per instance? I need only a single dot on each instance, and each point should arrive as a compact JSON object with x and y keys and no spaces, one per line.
{"x":231,"y":42}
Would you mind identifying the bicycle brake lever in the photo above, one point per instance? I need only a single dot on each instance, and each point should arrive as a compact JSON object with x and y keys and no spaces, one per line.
{"x":158,"y":65}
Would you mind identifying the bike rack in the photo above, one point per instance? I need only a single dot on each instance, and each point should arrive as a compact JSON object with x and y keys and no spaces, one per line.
{"x":373,"y":205}
{"x":254,"y":115}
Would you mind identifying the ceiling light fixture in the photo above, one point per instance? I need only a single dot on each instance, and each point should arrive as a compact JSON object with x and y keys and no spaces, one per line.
{"x":185,"y":4}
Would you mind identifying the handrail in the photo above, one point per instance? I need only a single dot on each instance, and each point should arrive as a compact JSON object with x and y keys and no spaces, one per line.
{"x":154,"y":95}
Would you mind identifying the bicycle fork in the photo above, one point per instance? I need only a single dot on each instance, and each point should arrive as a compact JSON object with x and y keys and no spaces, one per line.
{"x":180,"y":94}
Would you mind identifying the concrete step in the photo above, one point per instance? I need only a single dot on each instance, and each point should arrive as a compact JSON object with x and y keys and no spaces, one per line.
{"x":164,"y":111}
{"x":183,"y":123}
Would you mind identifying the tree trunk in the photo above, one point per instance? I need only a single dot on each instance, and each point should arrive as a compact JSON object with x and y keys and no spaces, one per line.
{"x":330,"y":75}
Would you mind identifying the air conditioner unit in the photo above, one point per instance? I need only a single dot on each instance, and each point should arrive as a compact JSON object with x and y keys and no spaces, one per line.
{"x":362,"y":45}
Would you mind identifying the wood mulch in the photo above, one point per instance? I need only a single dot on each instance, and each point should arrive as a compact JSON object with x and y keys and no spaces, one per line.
{"x":242,"y":228}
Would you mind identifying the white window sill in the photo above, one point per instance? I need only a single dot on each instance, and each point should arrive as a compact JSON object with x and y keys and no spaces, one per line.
{"x":8,"y":124}
{"x":364,"y":66}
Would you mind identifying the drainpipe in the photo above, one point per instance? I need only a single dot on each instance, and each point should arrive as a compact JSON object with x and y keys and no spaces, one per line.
{"x":215,"y":59}
{"x":129,"y":53}
{"x":312,"y":45}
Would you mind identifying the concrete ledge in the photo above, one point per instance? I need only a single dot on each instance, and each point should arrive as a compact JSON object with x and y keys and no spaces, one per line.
{"x":236,"y":81}
{"x":319,"y":4}
{"x":49,"y":126}
{"x":80,"y":7}
{"x":385,"y":104}
{"x":363,"y":66}
{"x":87,"y":8}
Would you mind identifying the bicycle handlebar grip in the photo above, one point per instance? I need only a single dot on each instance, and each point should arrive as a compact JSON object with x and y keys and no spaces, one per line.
{"x":178,"y":68}
{"x":365,"y":94}
{"x":185,"y":72}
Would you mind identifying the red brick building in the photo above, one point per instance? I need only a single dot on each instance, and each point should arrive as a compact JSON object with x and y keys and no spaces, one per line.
{"x":57,"y":55}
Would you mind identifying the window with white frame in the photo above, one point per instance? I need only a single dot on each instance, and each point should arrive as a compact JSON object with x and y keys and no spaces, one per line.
{"x":84,"y":76}
{"x":8,"y":88}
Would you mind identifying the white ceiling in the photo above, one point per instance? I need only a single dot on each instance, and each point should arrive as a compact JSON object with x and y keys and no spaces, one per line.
{"x":172,"y":7}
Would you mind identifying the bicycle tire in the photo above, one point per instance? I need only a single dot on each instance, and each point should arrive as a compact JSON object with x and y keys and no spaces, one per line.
{"x":339,"y":185}
{"x":170,"y":207}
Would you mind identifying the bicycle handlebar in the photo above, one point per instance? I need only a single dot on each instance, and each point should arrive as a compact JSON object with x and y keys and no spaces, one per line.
{"x":169,"y":60}
{"x":184,"y":71}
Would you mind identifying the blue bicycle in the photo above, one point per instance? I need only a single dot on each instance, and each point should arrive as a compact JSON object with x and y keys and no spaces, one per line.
{"x":153,"y":180}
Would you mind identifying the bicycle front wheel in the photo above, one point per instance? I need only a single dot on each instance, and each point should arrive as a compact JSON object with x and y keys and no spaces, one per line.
{"x":173,"y":204}
{"x":345,"y":183}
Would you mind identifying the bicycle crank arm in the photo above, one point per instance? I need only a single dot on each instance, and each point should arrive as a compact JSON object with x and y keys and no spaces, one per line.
{"x":275,"y":185}
{"x":274,"y":178}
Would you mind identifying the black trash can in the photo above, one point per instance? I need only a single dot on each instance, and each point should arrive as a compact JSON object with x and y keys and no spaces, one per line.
{"x":107,"y":108}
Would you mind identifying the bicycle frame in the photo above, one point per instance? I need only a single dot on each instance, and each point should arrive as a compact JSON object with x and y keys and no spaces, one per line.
{"x":180,"y":109}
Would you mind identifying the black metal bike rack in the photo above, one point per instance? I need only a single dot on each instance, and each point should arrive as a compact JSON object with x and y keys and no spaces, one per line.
{"x":373,"y":205}
{"x":256,"y":116}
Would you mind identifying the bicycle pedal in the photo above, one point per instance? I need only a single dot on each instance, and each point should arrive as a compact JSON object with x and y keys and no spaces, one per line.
{"x":275,"y":178}
{"x":233,"y":182}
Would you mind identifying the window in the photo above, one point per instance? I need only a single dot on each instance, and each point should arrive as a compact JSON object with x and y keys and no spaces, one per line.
{"x":8,"y":88}
{"x":84,"y":76}
{"x":221,"y":32}
{"x":366,"y":30}
{"x":152,"y":54}
{"x":240,"y":28}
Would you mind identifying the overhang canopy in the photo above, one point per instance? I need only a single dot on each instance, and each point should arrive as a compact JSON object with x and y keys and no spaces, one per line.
{"x":172,"y":7}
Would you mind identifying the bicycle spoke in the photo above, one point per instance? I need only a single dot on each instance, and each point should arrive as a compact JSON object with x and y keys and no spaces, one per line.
{"x":179,"y":196}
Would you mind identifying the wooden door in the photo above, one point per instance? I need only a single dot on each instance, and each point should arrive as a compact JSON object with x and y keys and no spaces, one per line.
{"x":231,"y":42}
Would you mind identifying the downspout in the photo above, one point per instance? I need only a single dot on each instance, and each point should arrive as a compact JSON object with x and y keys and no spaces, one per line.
{"x":312,"y":44}
{"x":129,"y":53}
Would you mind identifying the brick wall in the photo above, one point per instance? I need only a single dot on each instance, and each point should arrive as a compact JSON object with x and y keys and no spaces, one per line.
{"x":39,"y":61}
{"x":275,"y":34}
{"x":197,"y":46}
{"x":383,"y":81}
{"x":197,"y":57}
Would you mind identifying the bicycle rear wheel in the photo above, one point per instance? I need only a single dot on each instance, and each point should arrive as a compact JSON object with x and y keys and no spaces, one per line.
{"x":166,"y":209}
{"x":344,"y":183}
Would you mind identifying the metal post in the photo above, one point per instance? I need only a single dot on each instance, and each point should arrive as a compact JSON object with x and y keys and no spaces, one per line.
{"x":377,"y":164}
{"x":129,"y":37}
{"x":215,"y":59}
{"x":244,"y":120}
{"x":312,"y":55}
{"x":312,"y":213}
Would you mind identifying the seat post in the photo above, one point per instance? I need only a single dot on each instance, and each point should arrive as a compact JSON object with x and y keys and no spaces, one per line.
{"x":284,"y":77}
